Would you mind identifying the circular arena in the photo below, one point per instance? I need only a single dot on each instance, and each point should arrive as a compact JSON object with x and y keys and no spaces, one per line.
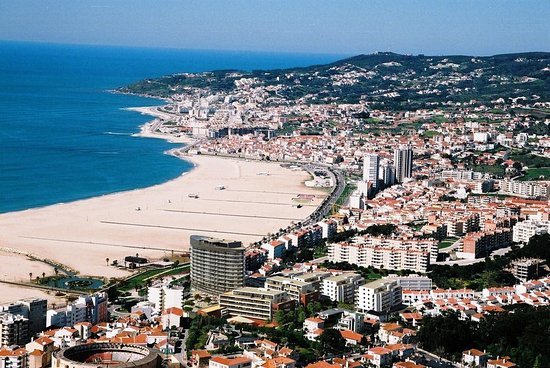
{"x":106,"y":355}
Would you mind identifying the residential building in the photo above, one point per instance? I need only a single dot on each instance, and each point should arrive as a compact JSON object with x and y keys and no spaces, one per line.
{"x":412,"y":281}
{"x":14,"y":329}
{"x":525,"y":230}
{"x":371,"y":163}
{"x":14,"y":358}
{"x":256,"y":303}
{"x":234,"y":362}
{"x":526,"y":189}
{"x":403,"y":161}
{"x":387,"y":253}
{"x":165,"y":296}
{"x":526,"y":268}
{"x":342,"y":288}
{"x":481,"y":244}
{"x":474,"y":358}
{"x":379,"y":296}
{"x":302,"y":292}
{"x":217,"y":265}
{"x":34,"y":309}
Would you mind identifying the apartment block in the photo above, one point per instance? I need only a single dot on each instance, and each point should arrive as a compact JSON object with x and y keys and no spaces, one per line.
{"x":302,"y":292}
{"x":165,"y":296}
{"x":342,"y":288}
{"x":217,"y":265}
{"x":390,"y":254}
{"x":256,"y":303}
{"x":525,"y":230}
{"x":481,"y":244}
{"x":379,"y":296}
{"x":14,"y":329}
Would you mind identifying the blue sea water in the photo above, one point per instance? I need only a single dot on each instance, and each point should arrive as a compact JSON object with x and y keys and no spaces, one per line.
{"x":64,"y":137}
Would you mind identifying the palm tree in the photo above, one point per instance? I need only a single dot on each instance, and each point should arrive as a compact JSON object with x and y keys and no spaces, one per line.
{"x":56,"y":270}
{"x":107,"y":260}
{"x":43,"y":274}
{"x":30,"y":276}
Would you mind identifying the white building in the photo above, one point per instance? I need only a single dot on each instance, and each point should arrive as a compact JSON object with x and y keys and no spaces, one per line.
{"x":523,"y":231}
{"x":412,"y":281}
{"x":342,"y":288}
{"x":388,"y":253}
{"x":14,"y":358}
{"x":165,"y":296}
{"x":379,"y":296}
{"x":14,"y":329}
{"x":371,"y":163}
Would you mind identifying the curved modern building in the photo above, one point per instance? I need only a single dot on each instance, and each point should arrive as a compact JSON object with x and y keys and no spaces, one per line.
{"x":217,"y":265}
{"x":99,"y":355}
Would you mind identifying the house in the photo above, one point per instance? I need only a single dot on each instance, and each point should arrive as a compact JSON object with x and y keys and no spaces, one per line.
{"x":172,"y":317}
{"x":380,"y":357}
{"x":352,"y":338}
{"x":474,"y":358}
{"x":503,"y":362}
{"x":200,"y":358}
{"x":41,"y":351}
{"x":313,"y":323}
{"x":234,"y":362}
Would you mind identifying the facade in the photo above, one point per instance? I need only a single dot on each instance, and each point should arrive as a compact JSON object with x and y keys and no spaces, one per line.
{"x":403,"y":161}
{"x":526,"y":268}
{"x":14,"y":329}
{"x":90,"y":308}
{"x":342,"y":288}
{"x":165,"y":296}
{"x":390,"y":254}
{"x":481,"y":244}
{"x":14,"y":358}
{"x":217,"y":266}
{"x":371,"y":163}
{"x":105,"y":355}
{"x":224,"y":362}
{"x":34,"y":309}
{"x":526,"y":189}
{"x":256,"y":303}
{"x":525,"y":230}
{"x":379,"y":296}
{"x":412,"y":282}
{"x":302,"y":292}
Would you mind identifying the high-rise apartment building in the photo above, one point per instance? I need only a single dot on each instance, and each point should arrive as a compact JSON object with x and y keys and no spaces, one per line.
{"x":403,"y":161}
{"x":371,"y":163}
{"x":217,"y":265}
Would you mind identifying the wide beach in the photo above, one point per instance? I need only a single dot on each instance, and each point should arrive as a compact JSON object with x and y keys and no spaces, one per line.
{"x":257,"y":199}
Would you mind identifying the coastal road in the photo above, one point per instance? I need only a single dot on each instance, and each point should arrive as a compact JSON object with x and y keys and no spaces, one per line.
{"x":235,"y":215}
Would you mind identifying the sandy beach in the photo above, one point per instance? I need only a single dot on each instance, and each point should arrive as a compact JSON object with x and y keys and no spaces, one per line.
{"x":157,"y":220}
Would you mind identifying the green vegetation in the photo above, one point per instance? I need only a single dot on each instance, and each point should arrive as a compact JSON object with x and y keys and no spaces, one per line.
{"x":523,"y":334}
{"x":140,"y":280}
{"x":348,"y":189}
{"x":430,"y":133}
{"x":491,"y":272}
{"x":497,"y":170}
{"x":445,"y":243}
{"x":530,"y":160}
{"x":536,"y":174}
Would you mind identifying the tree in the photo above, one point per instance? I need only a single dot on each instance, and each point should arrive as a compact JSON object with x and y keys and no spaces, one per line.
{"x":107,"y":261}
{"x":331,"y":341}
{"x":30,"y":276}
{"x":43,"y":274}
{"x":56,"y":270}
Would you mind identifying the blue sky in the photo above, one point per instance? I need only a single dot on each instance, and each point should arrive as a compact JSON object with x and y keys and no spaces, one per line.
{"x":476,"y":27}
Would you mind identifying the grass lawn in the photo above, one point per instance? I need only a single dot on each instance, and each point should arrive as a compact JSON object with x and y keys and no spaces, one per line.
{"x":140,"y":279}
{"x":430,"y":133}
{"x":535,"y":173}
{"x":447,"y":243}
{"x":491,"y":169}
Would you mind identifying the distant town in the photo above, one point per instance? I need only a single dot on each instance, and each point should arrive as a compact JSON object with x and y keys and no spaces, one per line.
{"x":426,"y":244}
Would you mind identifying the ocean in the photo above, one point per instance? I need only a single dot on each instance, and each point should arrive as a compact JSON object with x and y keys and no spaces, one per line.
{"x":64,"y":137}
